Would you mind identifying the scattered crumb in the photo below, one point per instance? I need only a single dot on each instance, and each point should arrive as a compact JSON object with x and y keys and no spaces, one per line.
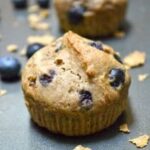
{"x":124,"y":128}
{"x":40,"y":26}
{"x":140,"y":141}
{"x":23,"y":52}
{"x":80,"y":147}
{"x":142,"y":77}
{"x":44,"y":13}
{"x":12,"y":48}
{"x":2,"y":92}
{"x":45,"y":39}
{"x":135,"y":59}
{"x":34,"y":18}
{"x":33,"y":8}
{"x":119,"y":34}
{"x":35,"y":22}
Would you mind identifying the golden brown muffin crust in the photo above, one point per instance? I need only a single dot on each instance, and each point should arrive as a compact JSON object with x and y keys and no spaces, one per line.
{"x":76,"y":66}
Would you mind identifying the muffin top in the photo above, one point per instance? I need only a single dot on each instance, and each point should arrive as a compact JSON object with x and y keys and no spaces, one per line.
{"x":74,"y":75}
{"x":90,"y":4}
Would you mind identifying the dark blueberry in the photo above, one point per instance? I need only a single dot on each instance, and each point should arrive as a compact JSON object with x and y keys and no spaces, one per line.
{"x":118,"y":58}
{"x":43,"y":3}
{"x":97,"y":45}
{"x":32,"y":48}
{"x":117,"y":77}
{"x":9,"y":68}
{"x":75,"y":14}
{"x":20,"y":4}
{"x":45,"y":79}
{"x":85,"y":99}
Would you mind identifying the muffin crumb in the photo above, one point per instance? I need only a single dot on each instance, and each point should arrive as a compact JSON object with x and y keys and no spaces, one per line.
{"x":12,"y":48}
{"x":142,"y":77}
{"x":2,"y":92}
{"x":140,"y":141}
{"x":124,"y":128}
{"x":44,"y":39}
{"x":135,"y":59}
{"x":80,"y":147}
{"x":23,"y":52}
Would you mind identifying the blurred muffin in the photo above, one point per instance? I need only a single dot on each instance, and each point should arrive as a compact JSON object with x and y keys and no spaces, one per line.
{"x":75,"y":86}
{"x":91,"y":17}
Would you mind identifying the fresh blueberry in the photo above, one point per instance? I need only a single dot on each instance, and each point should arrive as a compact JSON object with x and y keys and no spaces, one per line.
{"x":32,"y":48}
{"x":85,"y":99}
{"x":43,"y":3}
{"x":118,"y":58}
{"x":117,"y":77}
{"x":20,"y":4}
{"x":75,"y":14}
{"x":9,"y":68}
{"x":97,"y":45}
{"x":45,"y":79}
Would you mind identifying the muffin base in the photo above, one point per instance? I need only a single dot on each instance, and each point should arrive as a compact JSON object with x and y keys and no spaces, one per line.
{"x":69,"y":125}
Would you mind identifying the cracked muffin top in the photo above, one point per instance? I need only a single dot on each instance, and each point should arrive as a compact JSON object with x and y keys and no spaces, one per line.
{"x":74,"y":74}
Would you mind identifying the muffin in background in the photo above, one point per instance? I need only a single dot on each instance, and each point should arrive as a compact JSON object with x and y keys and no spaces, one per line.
{"x":91,"y":17}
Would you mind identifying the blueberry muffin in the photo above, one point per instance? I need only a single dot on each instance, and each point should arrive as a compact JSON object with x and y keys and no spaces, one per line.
{"x":91,"y":17}
{"x":75,"y":86}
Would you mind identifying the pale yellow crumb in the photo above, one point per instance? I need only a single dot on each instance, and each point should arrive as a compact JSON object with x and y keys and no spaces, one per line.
{"x":142,"y":77}
{"x":119,"y":34}
{"x":44,"y":39}
{"x":12,"y":48}
{"x":140,"y":141}
{"x":33,"y":8}
{"x":135,"y":59}
{"x":40,"y":26}
{"x":80,"y":147}
{"x":2,"y":92}
{"x":23,"y":52}
{"x":44,"y":13}
{"x":34,"y":18}
{"x":124,"y":128}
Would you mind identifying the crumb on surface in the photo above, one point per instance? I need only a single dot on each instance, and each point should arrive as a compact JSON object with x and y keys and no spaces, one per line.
{"x":34,"y":18}
{"x":40,"y":26}
{"x":124,"y":128}
{"x":2,"y":92}
{"x":44,"y":13}
{"x":80,"y":147}
{"x":36,"y":22}
{"x":142,"y":77}
{"x":140,"y":141}
{"x":12,"y":48}
{"x":23,"y":52}
{"x":119,"y":34}
{"x":33,"y":8}
{"x":44,"y":39}
{"x":135,"y":59}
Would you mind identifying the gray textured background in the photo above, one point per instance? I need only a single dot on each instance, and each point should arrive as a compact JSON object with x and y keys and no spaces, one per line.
{"x":18,"y":132}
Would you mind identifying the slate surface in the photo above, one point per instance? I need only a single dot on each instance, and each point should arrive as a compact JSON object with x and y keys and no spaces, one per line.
{"x":18,"y":132}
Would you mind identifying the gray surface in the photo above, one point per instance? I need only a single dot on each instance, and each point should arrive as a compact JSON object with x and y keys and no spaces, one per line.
{"x":18,"y":132}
